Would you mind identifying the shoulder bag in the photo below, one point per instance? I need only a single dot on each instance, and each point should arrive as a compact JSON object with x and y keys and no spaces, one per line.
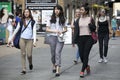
{"x":18,"y":34}
{"x":92,"y":28}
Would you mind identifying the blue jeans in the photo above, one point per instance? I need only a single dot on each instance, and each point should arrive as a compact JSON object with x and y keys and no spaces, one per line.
{"x":77,"y":55}
{"x":114,"y":30}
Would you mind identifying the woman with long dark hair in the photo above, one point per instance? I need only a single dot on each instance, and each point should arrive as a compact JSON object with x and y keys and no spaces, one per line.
{"x":27,"y":38}
{"x":56,"y":28}
{"x":83,"y":39}
{"x":3,"y":17}
{"x":2,"y":12}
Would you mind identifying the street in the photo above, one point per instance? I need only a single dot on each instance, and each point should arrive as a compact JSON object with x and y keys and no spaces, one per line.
{"x":10,"y":64}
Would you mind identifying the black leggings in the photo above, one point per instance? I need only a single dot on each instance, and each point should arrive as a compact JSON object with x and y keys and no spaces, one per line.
{"x":85,"y":44}
{"x":103,"y":43}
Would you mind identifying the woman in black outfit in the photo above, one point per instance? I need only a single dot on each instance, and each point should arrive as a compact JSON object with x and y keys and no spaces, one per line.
{"x":82,"y":37}
{"x":103,"y":35}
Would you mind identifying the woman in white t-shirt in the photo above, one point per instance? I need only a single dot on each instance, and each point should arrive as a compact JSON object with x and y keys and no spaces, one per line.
{"x":27,"y":38}
{"x":56,"y":27}
{"x":10,"y":28}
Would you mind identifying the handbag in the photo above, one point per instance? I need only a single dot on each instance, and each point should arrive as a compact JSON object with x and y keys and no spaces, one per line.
{"x":18,"y":34}
{"x":92,"y":28}
{"x":94,"y":37}
{"x":46,"y":39}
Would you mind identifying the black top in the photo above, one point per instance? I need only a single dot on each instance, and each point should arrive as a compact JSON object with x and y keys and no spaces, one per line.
{"x":103,"y":27}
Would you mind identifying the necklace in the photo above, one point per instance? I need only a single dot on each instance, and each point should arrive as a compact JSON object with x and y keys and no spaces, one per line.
{"x":102,"y":18}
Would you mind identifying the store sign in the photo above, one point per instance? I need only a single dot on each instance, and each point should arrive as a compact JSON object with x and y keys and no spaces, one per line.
{"x":42,"y":1}
{"x":41,"y":4}
{"x":6,"y":5}
{"x":39,"y":7}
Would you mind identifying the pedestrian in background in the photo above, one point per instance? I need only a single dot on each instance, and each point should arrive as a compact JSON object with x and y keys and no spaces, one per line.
{"x":10,"y":25}
{"x":56,"y":27}
{"x":17,"y":18}
{"x":83,"y":39}
{"x":3,"y":17}
{"x":77,"y":15}
{"x":103,"y":24}
{"x":27,"y":38}
{"x":114,"y":26}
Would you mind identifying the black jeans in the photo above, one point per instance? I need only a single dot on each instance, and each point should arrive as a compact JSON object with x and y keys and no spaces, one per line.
{"x":103,"y":43}
{"x":85,"y":44}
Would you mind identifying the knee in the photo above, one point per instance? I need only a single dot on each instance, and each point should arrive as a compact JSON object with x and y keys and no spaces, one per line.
{"x":106,"y":45}
{"x":23,"y":54}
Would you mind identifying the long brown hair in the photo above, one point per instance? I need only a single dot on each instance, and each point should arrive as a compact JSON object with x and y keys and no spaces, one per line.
{"x":23,"y":16}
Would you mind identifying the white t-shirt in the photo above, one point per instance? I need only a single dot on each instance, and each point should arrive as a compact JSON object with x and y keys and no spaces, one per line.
{"x":10,"y":27}
{"x":55,"y":26}
{"x":29,"y":33}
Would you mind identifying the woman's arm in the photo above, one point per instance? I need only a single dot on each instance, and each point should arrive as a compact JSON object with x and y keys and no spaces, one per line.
{"x":64,"y":30}
{"x":50,"y":30}
{"x":34,"y":33}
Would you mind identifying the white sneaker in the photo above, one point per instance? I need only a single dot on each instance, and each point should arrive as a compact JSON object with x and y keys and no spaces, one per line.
{"x":105,"y":60}
{"x":100,"y":60}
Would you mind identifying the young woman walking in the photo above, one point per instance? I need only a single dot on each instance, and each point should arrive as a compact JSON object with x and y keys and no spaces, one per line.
{"x":103,"y":24}
{"x":77,"y":15}
{"x":83,"y":39}
{"x":56,"y":27}
{"x":27,"y":38}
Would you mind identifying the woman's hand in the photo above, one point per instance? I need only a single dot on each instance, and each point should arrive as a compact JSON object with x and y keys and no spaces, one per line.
{"x":59,"y":32}
{"x":34,"y":44}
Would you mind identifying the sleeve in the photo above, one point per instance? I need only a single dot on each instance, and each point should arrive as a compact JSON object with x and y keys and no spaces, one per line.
{"x":108,"y":18}
{"x":72,"y":24}
{"x":66,"y":24}
{"x":34,"y":33}
{"x":48,"y":23}
{"x":15,"y":31}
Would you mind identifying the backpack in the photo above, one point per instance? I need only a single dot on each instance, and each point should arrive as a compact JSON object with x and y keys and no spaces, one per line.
{"x":18,"y":34}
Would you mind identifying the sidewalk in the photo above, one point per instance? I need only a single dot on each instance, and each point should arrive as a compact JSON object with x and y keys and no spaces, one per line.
{"x":10,"y":65}
{"x":4,"y":50}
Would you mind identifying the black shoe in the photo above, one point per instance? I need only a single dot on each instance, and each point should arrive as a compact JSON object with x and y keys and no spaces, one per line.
{"x":54,"y":70}
{"x":31,"y":67}
{"x":57,"y":74}
{"x":23,"y":72}
{"x":75,"y":62}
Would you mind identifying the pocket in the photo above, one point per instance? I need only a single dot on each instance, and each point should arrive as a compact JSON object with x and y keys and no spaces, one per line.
{"x":46,"y":39}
